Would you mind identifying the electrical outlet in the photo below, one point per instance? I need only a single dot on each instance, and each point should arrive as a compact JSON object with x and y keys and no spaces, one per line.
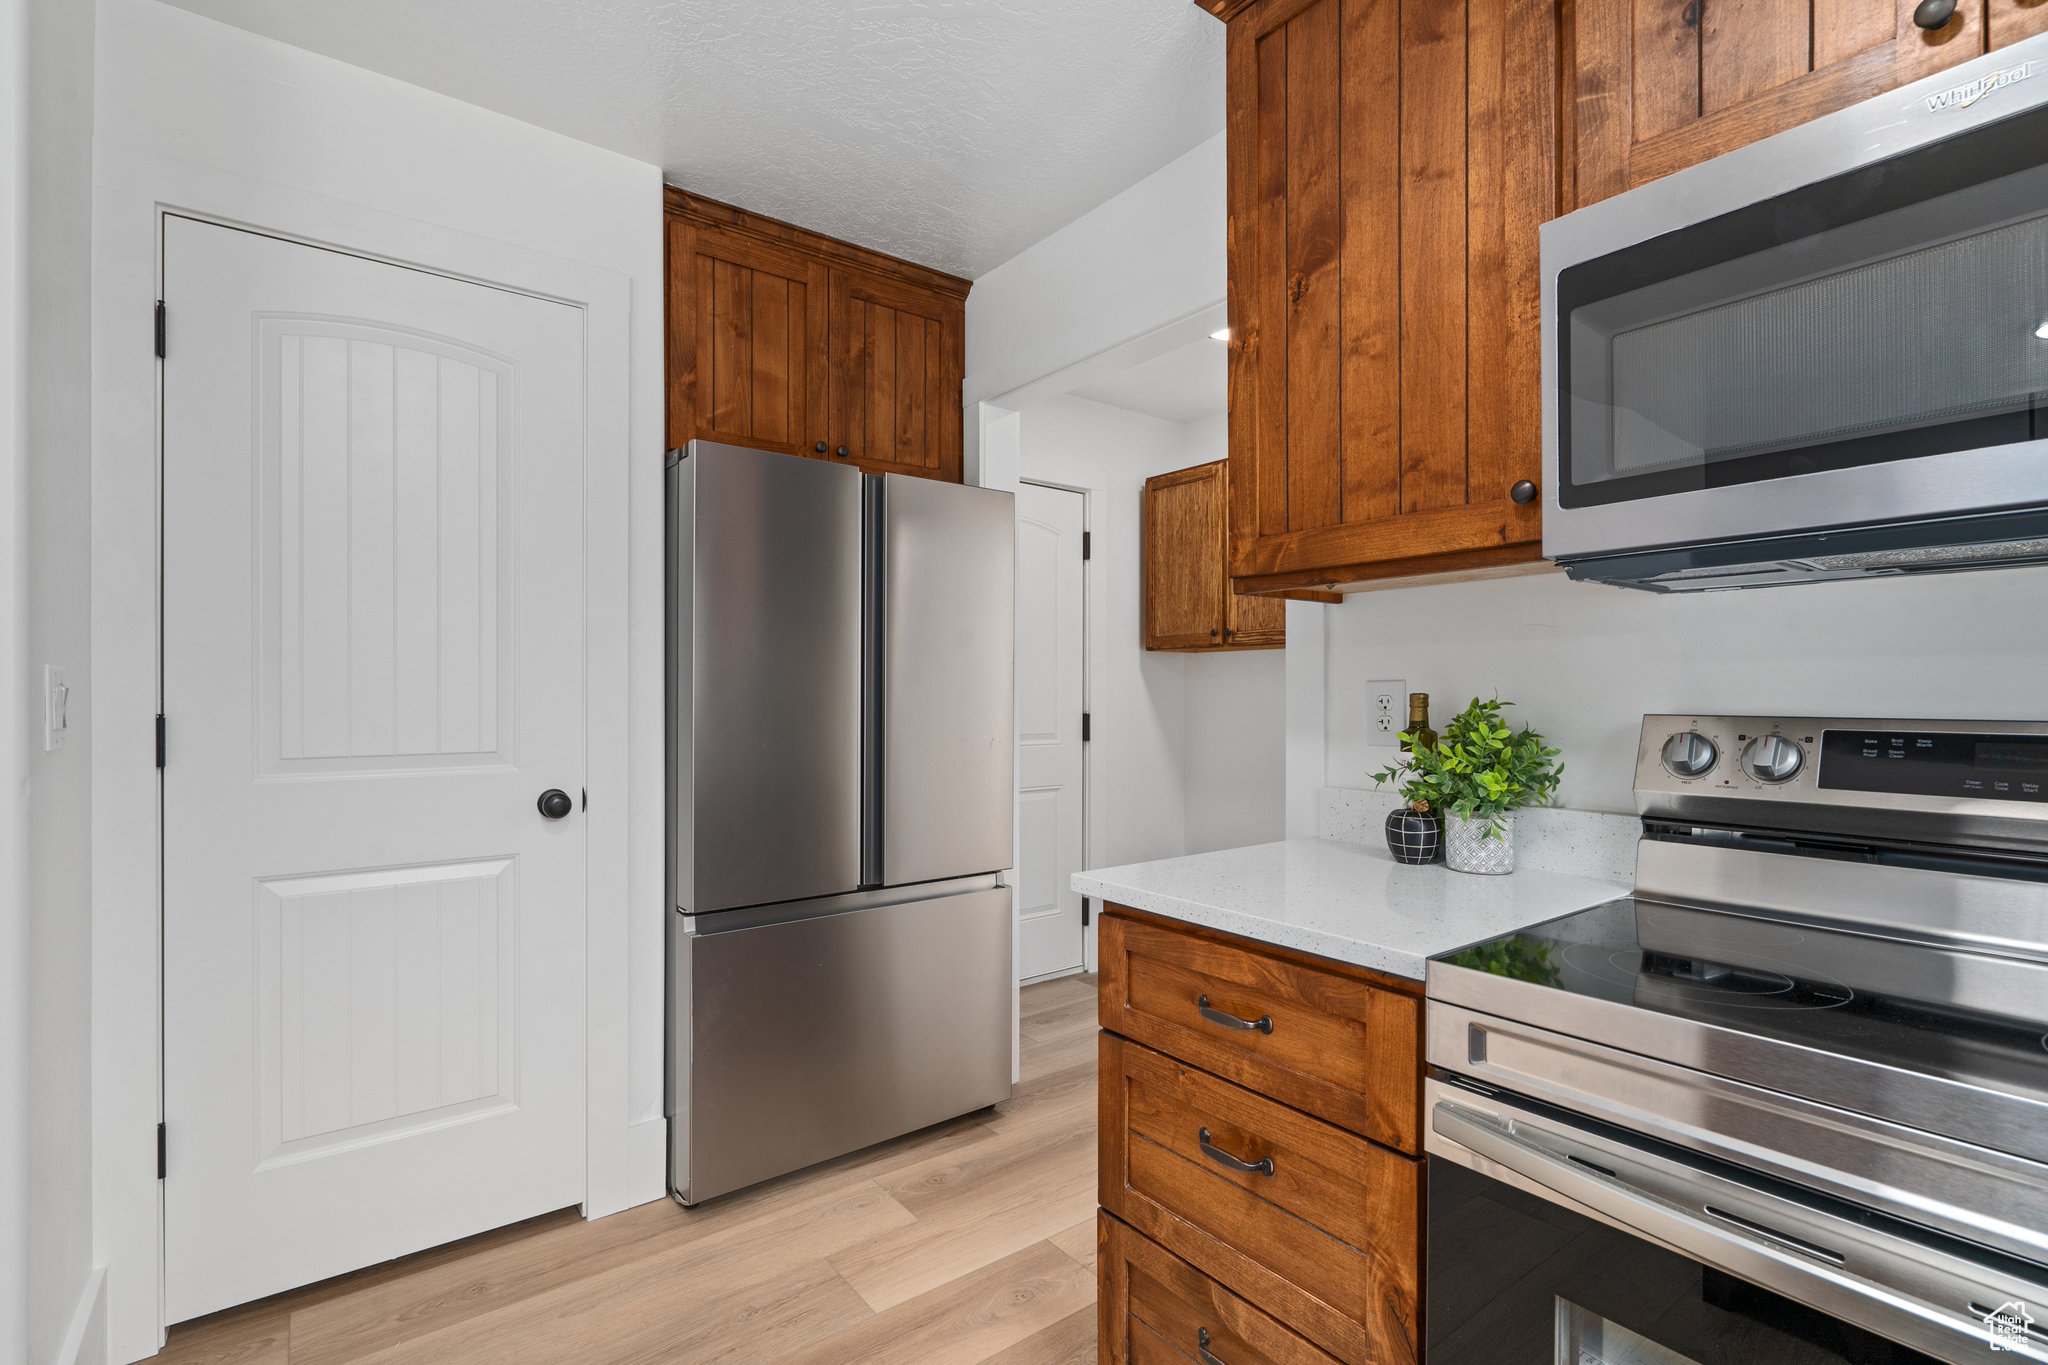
{"x":1385,"y":697}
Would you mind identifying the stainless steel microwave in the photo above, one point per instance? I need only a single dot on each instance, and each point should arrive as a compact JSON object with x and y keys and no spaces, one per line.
{"x":1822,"y":356}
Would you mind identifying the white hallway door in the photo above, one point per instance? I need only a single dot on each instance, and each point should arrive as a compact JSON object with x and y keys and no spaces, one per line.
{"x":372,"y":670}
{"x":1050,"y":631}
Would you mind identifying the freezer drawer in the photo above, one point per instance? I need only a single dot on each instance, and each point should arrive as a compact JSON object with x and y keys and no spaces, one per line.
{"x":796,"y":1042}
{"x":948,"y":663}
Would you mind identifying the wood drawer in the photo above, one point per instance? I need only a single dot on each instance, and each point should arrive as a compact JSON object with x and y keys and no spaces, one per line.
{"x":1324,"y":1232}
{"x":1334,"y":1045}
{"x":1155,"y":1309}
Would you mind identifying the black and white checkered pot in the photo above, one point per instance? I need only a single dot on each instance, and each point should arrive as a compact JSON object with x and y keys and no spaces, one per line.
{"x":1414,"y":837}
{"x":1467,"y":849}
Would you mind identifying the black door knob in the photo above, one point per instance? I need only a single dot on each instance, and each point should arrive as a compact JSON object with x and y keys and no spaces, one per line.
{"x":819,"y":447}
{"x":842,"y":452}
{"x":1934,"y":14}
{"x":554,"y":803}
{"x":1523,"y":491}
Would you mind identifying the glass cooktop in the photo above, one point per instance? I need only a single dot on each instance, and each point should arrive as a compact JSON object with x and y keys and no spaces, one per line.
{"x":1929,"y":1008}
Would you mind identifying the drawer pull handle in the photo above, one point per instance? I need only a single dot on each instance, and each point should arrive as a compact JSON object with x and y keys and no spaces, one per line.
{"x":1262,"y":1024}
{"x":1263,"y":1166}
{"x":1210,"y":1358}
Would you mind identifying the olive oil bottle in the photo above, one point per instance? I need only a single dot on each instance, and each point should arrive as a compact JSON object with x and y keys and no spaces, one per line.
{"x":1418,"y":723}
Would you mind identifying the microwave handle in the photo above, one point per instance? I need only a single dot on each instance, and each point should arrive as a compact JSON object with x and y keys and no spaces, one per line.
{"x":1735,"y":1243}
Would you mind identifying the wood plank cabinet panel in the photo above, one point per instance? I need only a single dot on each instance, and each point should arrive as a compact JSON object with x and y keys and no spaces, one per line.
{"x":1318,"y":1038}
{"x":1659,"y":85}
{"x":1188,"y":604}
{"x":1389,"y":162}
{"x":746,"y":331}
{"x":787,"y":340}
{"x":1156,"y":1309}
{"x":1306,"y":1220}
{"x":1184,"y":579}
{"x":895,"y":376}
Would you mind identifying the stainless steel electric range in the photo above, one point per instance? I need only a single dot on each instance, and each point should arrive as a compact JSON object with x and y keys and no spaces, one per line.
{"x":1786,"y":1103}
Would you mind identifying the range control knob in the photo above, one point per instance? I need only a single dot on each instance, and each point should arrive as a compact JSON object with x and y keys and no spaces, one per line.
{"x":1689,"y":754}
{"x":1772,"y":758}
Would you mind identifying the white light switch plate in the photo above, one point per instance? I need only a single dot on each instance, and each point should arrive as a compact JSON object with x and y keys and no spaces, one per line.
{"x":1384,"y":698}
{"x":56,"y":708}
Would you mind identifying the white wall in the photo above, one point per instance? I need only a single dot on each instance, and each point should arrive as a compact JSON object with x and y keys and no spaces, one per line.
{"x":1188,"y":749}
{"x":1136,"y":698}
{"x":241,"y":111}
{"x":63,"y":1315}
{"x":1584,"y":663}
{"x":14,"y":967}
{"x":1134,"y":278}
{"x":1233,"y":740}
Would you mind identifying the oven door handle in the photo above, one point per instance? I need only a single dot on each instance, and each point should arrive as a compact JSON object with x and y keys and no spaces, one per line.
{"x":1748,"y":1248}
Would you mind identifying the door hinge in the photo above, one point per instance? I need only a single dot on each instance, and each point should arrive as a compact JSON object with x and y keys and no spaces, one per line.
{"x":1087,"y":544}
{"x":1085,"y":727}
{"x":159,"y":740}
{"x":163,"y":1151}
{"x":1084,"y":912}
{"x":160,"y":328}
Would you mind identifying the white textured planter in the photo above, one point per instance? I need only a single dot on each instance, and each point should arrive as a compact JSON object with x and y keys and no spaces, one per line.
{"x":1467,"y":849}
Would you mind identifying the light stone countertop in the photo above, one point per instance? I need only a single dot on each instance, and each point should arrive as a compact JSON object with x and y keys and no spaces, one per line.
{"x":1349,"y":902}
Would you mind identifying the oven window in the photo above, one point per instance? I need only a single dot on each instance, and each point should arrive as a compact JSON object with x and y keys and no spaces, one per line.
{"x":1894,"y":312}
{"x":1586,"y":1338}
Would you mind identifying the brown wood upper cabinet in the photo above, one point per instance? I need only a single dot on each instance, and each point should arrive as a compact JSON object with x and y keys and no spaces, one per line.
{"x":787,"y":340}
{"x":1389,"y":162}
{"x":1662,"y":84}
{"x":1188,"y":602}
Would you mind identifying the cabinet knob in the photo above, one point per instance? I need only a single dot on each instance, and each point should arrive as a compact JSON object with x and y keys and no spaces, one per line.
{"x":1934,"y":14}
{"x":1524,"y":491}
{"x":842,"y":452}
{"x":820,"y":447}
{"x":1212,"y":632}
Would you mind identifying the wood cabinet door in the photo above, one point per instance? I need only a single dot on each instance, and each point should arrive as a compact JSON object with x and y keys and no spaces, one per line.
{"x":1255,"y":622}
{"x":1389,"y":161}
{"x":1660,"y":85}
{"x":746,"y":337}
{"x":1184,"y":582}
{"x":1152,"y":1304}
{"x":897,"y":354}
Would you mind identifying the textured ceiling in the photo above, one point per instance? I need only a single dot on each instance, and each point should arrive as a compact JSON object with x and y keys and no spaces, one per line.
{"x":1183,"y":385}
{"x":952,"y":132}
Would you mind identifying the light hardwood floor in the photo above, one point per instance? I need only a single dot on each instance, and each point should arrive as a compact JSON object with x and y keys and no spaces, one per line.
{"x":970,"y":1242}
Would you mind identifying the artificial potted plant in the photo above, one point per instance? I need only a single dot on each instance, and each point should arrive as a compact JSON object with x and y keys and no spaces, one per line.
{"x":1476,"y":776}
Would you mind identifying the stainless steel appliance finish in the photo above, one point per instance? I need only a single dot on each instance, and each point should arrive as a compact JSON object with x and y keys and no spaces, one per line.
{"x":840,"y":806}
{"x":948,"y":663}
{"x":1810,"y":1051}
{"x":822,"y":1035}
{"x":1928,"y":1297}
{"x":765,"y":678}
{"x":1857,"y":272}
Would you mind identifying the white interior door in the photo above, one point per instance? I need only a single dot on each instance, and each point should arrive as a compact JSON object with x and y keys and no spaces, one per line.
{"x":1051,"y":626}
{"x":372,"y":636}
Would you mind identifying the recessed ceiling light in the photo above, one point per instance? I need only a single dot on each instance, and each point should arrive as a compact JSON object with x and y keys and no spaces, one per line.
{"x":1223,"y":333}
{"x":2042,"y":331}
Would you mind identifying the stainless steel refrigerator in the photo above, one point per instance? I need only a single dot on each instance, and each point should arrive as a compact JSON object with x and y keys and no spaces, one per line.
{"x":839,"y":729}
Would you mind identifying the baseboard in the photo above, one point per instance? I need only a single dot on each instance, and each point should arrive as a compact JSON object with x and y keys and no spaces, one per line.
{"x":85,"y":1341}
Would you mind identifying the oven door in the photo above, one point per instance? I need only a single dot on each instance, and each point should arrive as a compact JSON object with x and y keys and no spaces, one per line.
{"x":1842,"y":326}
{"x":1553,"y":1239}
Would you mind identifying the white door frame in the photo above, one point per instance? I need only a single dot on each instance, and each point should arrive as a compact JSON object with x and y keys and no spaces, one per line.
{"x":133,"y":189}
{"x":1091,"y":612}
